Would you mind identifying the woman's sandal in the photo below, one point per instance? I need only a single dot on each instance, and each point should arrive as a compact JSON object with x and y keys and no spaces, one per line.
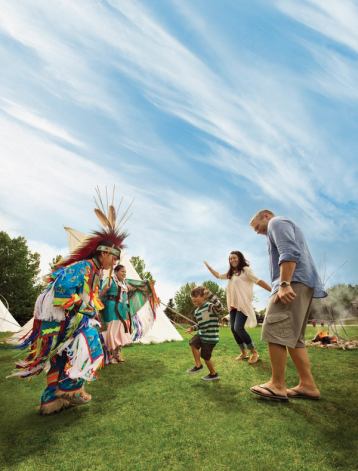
{"x":254,"y":358}
{"x":242,"y":356}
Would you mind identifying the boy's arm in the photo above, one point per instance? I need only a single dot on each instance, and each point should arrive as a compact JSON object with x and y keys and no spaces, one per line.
{"x":216,"y":305}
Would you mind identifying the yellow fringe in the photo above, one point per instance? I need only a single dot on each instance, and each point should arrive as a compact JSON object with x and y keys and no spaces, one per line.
{"x":55,"y":406}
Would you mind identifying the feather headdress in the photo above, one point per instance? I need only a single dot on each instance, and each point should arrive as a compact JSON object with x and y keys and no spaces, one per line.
{"x":109,"y":239}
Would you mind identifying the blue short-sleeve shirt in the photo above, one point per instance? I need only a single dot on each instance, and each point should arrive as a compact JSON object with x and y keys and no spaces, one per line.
{"x":286,"y":243}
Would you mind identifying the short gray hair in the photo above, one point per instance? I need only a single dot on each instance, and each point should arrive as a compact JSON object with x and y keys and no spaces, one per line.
{"x":260,"y":214}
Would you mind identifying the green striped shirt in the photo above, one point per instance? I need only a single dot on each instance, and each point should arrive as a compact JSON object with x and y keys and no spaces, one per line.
{"x":207,"y":320}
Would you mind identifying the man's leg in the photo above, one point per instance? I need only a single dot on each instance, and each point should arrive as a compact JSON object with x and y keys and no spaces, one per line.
{"x":50,"y":402}
{"x":306,"y":383}
{"x":275,"y":388}
{"x":278,"y":357}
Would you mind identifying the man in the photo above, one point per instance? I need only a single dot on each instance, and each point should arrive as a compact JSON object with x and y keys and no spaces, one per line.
{"x":64,"y":341}
{"x":295,"y":282}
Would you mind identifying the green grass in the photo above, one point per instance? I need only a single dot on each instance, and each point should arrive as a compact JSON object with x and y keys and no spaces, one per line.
{"x":147,"y":414}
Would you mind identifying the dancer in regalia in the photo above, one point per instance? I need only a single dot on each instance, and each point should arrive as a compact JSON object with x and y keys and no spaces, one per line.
{"x":65,"y":341}
{"x":116,"y":315}
{"x":122,"y":299}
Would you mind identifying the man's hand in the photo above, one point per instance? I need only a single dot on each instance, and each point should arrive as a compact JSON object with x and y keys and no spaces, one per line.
{"x":189,"y":330}
{"x":286,"y":295}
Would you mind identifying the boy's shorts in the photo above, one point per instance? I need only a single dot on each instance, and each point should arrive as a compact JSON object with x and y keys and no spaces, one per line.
{"x":206,"y":349}
{"x":285,"y":324}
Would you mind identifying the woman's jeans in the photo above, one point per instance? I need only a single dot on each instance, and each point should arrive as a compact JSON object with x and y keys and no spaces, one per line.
{"x":237,"y":324}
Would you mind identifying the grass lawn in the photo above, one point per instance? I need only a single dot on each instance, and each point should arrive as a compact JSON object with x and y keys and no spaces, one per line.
{"x":148,"y":414}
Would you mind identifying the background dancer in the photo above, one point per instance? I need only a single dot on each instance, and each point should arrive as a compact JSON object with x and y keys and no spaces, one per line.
{"x":122,"y":299}
{"x":116,"y":314}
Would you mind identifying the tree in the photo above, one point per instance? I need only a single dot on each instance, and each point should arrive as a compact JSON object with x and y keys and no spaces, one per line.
{"x":183,"y":301}
{"x":139,"y":266}
{"x":55,"y":261}
{"x":218,"y":291}
{"x":19,"y":282}
{"x":170,"y":311}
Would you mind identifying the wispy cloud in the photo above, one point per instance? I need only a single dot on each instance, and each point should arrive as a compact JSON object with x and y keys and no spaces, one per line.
{"x":112,"y":94}
{"x":334,"y":19}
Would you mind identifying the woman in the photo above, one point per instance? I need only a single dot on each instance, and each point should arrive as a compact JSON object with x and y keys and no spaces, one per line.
{"x":116,"y":314}
{"x":239,"y":294}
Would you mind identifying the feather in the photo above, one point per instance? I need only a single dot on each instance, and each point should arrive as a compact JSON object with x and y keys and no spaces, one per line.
{"x":125,"y":215}
{"x":112,"y":216}
{"x":101,"y":205}
{"x":102,"y":218}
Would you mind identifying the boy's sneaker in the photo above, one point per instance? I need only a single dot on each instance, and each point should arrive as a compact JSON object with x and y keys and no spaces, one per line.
{"x":195,"y":369}
{"x":210,"y":377}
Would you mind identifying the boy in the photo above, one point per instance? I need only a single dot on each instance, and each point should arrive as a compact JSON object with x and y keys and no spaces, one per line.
{"x":208,"y":306}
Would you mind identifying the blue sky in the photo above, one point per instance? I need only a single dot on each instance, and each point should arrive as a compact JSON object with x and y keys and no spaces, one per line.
{"x":202,"y":111}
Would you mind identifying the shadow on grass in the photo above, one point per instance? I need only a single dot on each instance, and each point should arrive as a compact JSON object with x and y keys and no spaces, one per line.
{"x":40,"y":435}
{"x":36,"y":435}
{"x":124,"y":375}
{"x":339,"y":433}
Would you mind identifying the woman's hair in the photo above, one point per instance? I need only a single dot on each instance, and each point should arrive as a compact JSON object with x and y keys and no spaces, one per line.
{"x":242,"y":263}
{"x":118,"y":267}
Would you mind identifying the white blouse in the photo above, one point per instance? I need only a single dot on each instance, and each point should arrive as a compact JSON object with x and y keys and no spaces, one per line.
{"x":240,"y":293}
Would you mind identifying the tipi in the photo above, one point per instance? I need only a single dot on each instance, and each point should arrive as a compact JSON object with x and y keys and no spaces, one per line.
{"x":7,"y":321}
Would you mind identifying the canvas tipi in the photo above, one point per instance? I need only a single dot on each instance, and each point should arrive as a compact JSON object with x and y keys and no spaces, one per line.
{"x":7,"y":321}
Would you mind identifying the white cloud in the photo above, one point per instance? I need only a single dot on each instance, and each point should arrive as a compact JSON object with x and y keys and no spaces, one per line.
{"x":254,"y":128}
{"x":38,"y":122}
{"x":47,"y":253}
{"x":335,"y":19}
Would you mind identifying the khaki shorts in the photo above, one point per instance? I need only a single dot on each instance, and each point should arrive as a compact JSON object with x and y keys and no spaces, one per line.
{"x":285,"y":324}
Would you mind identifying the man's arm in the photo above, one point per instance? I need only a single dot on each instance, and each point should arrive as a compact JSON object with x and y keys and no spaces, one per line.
{"x":284,"y":237}
{"x":286,"y":294}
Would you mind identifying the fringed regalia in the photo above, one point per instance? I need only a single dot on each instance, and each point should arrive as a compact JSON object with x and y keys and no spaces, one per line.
{"x":142,"y":291}
{"x":65,"y":340}
{"x":122,"y":301}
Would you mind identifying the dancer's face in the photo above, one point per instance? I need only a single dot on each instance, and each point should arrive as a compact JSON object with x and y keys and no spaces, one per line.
{"x":107,"y":260}
{"x":234,"y":260}
{"x":121,"y":274}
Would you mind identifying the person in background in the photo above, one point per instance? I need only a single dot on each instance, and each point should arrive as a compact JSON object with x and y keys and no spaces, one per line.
{"x":116,"y":314}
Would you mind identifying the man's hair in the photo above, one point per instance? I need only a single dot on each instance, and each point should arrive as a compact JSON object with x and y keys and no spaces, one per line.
{"x":260,"y":214}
